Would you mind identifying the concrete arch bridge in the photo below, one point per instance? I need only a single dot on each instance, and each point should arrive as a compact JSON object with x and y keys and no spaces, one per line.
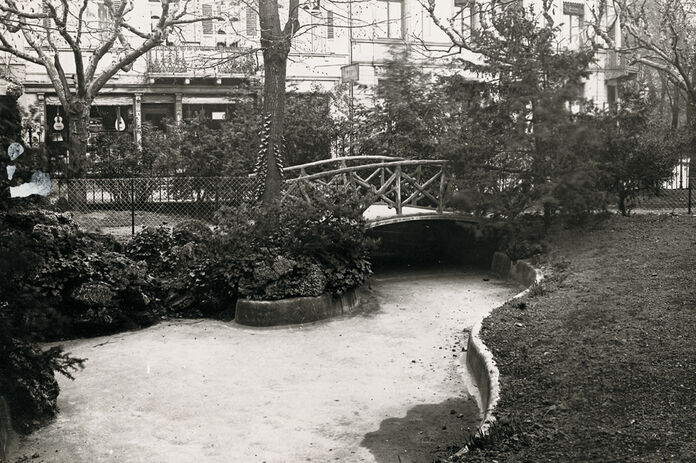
{"x":401,"y":190}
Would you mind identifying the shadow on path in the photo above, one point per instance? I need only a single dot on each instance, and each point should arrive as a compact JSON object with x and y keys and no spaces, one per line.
{"x":427,"y":432}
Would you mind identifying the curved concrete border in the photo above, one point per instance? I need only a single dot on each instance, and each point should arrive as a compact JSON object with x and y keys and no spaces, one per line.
{"x":295,"y":310}
{"x":479,"y":358}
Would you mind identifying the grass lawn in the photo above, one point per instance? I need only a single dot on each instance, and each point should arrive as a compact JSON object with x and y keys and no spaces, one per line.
{"x":599,"y":364}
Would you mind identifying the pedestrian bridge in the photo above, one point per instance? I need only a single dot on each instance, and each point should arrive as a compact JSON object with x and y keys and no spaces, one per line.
{"x":397,"y":190}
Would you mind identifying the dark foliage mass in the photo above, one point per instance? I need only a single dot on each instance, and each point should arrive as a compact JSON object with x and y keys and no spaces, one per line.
{"x":303,"y":248}
{"x":60,"y":282}
{"x":63,"y":282}
{"x":26,"y":370}
{"x":521,"y":138}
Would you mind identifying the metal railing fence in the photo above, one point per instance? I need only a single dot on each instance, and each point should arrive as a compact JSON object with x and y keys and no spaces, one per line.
{"x":125,"y":205}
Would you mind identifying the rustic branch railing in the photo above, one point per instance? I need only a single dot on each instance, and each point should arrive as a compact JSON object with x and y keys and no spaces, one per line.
{"x":395,"y":183}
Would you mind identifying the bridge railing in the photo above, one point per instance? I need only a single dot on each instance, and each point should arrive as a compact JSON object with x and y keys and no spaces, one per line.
{"x":327,"y":165}
{"x":396,"y":183}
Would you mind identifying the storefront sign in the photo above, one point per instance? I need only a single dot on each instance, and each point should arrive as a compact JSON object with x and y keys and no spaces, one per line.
{"x":350,"y":73}
{"x":573,"y":9}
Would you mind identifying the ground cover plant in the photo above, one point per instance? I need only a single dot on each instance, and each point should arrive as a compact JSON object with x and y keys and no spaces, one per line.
{"x":597,"y":364}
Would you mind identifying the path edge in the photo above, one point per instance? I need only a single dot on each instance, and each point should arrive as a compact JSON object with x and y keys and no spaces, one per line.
{"x":479,"y":359}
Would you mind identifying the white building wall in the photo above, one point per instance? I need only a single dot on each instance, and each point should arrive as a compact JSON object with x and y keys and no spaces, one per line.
{"x":325,"y":44}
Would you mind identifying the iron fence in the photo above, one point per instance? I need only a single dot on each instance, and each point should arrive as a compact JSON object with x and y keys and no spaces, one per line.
{"x":122,"y":206}
{"x":673,"y":195}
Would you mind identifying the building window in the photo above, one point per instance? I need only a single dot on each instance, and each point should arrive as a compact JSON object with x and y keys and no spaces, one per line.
{"x":468,"y":16}
{"x":573,"y":24}
{"x":251,"y":29}
{"x":611,"y":96}
{"x":207,"y":12}
{"x":329,"y":25}
{"x":389,"y":17}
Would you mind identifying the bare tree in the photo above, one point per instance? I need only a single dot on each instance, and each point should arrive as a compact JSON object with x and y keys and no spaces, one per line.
{"x":36,"y":31}
{"x":276,"y":42}
{"x":659,"y":34}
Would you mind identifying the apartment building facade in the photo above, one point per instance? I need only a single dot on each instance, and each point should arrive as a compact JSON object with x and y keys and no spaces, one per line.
{"x":208,"y":68}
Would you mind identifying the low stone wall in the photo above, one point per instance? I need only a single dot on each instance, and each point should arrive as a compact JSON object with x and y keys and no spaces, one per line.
{"x":295,"y":310}
{"x":479,"y":359}
{"x":7,"y":434}
{"x":520,"y":271}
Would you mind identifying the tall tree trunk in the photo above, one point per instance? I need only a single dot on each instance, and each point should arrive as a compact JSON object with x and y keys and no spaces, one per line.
{"x":79,"y":135}
{"x":675,"y":107}
{"x":78,"y":113}
{"x":275,"y":67}
{"x":270,"y":163}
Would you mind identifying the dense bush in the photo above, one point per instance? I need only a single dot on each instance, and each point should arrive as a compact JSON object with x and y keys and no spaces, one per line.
{"x":201,"y":147}
{"x":26,"y":371}
{"x":634,"y":153}
{"x":180,"y":261}
{"x":302,"y":248}
{"x":61,"y":282}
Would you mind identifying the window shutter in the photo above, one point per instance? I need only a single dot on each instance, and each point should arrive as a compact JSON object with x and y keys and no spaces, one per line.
{"x":251,"y":29}
{"x":329,"y":25}
{"x":207,"y":11}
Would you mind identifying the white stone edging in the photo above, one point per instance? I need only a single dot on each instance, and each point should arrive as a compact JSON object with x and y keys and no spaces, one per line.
{"x":481,"y":365}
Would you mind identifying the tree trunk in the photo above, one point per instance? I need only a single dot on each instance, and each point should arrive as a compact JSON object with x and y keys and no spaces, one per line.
{"x":275,"y":67}
{"x":79,"y":135}
{"x":675,"y":107}
{"x":77,"y":155}
{"x":691,"y":113}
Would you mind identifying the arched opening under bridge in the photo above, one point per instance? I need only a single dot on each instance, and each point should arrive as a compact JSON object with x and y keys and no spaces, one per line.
{"x":430,"y":242}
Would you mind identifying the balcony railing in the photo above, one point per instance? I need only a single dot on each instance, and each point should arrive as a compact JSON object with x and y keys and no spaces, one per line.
{"x":617,"y":67}
{"x":199,"y":61}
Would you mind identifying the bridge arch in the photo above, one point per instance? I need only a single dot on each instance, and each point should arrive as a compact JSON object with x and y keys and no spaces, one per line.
{"x":408,"y":208}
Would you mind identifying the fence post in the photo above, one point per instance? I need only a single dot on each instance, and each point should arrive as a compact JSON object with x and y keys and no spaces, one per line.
{"x":689,"y":205}
{"x":132,"y":203}
{"x":398,"y":189}
{"x":443,"y":184}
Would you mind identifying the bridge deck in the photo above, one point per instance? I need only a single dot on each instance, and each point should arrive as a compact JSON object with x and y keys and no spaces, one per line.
{"x":381,"y":214}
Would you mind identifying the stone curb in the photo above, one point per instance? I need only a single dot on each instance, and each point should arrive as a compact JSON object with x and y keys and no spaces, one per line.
{"x":479,"y":359}
{"x":295,"y":310}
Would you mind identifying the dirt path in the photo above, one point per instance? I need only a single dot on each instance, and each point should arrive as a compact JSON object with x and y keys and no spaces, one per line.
{"x":374,"y":387}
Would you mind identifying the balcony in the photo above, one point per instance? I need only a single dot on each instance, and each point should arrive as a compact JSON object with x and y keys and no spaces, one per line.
{"x":616,"y":67}
{"x":193,"y":61}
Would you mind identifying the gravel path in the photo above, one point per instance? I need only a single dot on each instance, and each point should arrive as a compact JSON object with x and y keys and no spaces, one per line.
{"x":371,"y":387}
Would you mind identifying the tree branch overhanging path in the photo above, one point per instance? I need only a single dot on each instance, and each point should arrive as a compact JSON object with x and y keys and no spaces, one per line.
{"x":49,"y":26}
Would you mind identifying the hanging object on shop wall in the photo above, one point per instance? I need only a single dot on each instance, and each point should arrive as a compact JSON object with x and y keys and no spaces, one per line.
{"x":58,"y":122}
{"x":120,"y":124}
